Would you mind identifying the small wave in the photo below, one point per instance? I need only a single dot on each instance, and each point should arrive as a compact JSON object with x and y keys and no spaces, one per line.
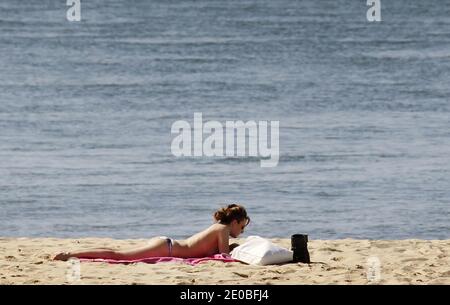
{"x":370,"y":40}
{"x":282,"y":158}
{"x":107,"y":146}
{"x":410,"y":54}
{"x":324,"y":157}
{"x":257,"y":159}
{"x":191,"y":40}
{"x":327,"y":195}
{"x":240,"y":159}
{"x":15,"y":201}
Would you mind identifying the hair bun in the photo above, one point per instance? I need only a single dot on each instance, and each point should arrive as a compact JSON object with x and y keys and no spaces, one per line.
{"x":231,"y":212}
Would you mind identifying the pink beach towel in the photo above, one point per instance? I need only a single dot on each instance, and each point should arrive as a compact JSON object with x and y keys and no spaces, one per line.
{"x":153,"y":260}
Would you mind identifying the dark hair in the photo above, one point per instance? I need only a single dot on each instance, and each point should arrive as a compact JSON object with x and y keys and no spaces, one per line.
{"x":231,"y":212}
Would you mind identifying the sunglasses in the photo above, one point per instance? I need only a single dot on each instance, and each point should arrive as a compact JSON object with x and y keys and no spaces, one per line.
{"x":246,"y":224}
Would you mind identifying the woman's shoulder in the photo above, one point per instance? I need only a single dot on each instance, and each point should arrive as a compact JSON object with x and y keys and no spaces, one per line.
{"x":219,"y":227}
{"x":212,"y":230}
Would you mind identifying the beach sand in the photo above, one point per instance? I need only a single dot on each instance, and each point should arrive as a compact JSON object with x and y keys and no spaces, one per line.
{"x":346,"y":261}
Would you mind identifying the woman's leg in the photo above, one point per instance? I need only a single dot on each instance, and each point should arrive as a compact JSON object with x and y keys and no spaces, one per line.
{"x":155,"y":247}
{"x":90,"y":253}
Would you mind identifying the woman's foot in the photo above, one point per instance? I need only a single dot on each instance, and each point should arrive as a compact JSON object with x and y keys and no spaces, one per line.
{"x":63,"y":256}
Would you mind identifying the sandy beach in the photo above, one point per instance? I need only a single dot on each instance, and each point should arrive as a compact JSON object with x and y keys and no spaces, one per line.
{"x":346,"y":261}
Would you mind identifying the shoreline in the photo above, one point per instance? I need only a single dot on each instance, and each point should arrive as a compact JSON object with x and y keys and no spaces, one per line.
{"x":343,"y":261}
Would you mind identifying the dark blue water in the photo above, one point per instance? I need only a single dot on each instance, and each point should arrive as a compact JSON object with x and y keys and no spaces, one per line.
{"x":86,"y":110}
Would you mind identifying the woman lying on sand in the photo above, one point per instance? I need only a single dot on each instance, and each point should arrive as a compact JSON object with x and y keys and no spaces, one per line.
{"x":230,"y":221}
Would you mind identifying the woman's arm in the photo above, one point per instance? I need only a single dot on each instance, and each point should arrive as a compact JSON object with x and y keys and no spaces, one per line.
{"x":233,"y":245}
{"x":223,"y":240}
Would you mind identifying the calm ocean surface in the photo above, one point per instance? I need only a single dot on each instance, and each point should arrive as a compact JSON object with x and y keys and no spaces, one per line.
{"x":86,"y":110}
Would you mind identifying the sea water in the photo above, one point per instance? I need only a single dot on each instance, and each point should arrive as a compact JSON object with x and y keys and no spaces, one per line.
{"x":86,"y":110}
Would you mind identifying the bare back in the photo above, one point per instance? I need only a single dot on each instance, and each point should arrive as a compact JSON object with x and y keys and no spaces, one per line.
{"x":210,"y":241}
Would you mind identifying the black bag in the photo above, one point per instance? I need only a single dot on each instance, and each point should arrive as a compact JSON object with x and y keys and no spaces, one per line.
{"x":299,"y":245}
